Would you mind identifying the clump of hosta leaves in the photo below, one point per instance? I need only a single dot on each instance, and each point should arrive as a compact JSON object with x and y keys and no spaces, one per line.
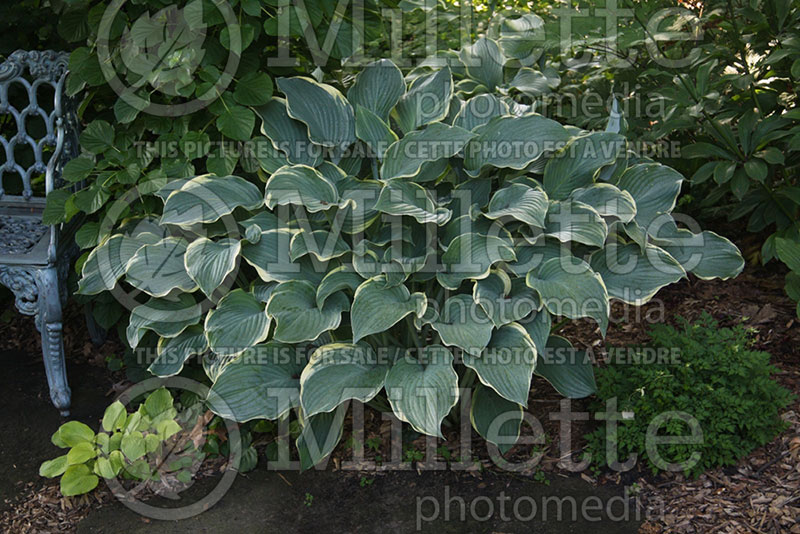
{"x":147,"y":444}
{"x":403,"y":236}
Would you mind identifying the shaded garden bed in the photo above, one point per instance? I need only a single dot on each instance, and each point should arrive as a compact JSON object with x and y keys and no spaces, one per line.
{"x":760,"y":494}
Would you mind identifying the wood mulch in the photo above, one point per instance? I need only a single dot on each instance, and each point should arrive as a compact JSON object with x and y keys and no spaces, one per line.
{"x":42,"y":509}
{"x":761,"y":494}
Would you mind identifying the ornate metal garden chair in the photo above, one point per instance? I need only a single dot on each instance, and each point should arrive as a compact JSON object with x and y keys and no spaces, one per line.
{"x":38,"y":134}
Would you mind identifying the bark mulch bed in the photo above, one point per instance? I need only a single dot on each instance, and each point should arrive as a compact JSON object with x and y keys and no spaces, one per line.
{"x":761,"y":494}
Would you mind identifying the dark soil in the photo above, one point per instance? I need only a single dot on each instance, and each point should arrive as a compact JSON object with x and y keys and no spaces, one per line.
{"x":266,"y":501}
{"x":29,"y":419}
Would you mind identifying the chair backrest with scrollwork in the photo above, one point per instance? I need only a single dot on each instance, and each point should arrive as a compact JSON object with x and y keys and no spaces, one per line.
{"x":38,"y":127}
{"x":38,"y":131}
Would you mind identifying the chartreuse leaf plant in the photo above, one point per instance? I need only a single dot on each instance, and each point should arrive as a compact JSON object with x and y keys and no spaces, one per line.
{"x":411,"y":234}
{"x":144,"y":445}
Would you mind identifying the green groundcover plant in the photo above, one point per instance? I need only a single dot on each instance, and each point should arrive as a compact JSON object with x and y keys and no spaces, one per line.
{"x":718,"y":380}
{"x":121,"y":449}
{"x":399,"y":237}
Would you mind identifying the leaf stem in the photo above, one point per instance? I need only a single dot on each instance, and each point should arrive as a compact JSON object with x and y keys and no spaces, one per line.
{"x":412,"y":331}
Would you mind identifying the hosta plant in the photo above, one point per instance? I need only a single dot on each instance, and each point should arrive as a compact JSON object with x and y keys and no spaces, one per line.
{"x":146,"y":444}
{"x":726,"y":97}
{"x":411,"y":238}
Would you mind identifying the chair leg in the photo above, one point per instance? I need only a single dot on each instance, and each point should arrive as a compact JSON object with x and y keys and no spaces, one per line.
{"x":49,"y":324}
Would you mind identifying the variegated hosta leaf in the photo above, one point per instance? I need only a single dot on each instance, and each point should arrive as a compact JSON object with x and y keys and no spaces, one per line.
{"x":484,"y":62}
{"x":173,"y":352}
{"x":410,"y":250}
{"x":573,"y":221}
{"x":607,"y":200}
{"x":463,"y":324}
{"x":479,"y":110}
{"x":237,"y":323}
{"x":414,"y":258}
{"x":521,"y":38}
{"x":507,"y":364}
{"x":302,"y":186}
{"x":577,"y":163}
{"x":437,"y":141}
{"x":210,"y":262}
{"x":471,"y":192}
{"x":472,"y":256}
{"x":467,"y":88}
{"x":361,"y":196}
{"x":288,"y":135}
{"x":338,"y":372}
{"x":378,"y":88}
{"x":532,"y":253}
{"x":107,"y":262}
{"x":423,"y":391}
{"x":262,"y":222}
{"x":269,"y":158}
{"x":367,"y":262}
{"x":431,"y":171}
{"x":538,"y":327}
{"x":167,"y":317}
{"x":706,"y":255}
{"x":504,"y":300}
{"x":655,"y":189}
{"x":634,"y":276}
{"x":568,"y":370}
{"x":376,"y":309}
{"x":402,"y":197}
{"x":568,"y":287}
{"x":512,"y":142}
{"x":323,"y":109}
{"x":496,"y":419}
{"x":319,"y":437}
{"x":456,"y":104}
{"x":271,"y":260}
{"x":333,"y":173}
{"x":207,"y":198}
{"x":262,"y":291}
{"x":169,"y":187}
{"x":297,"y":317}
{"x":521,"y":203}
{"x":466,"y":225}
{"x":322,"y":244}
{"x":634,"y":232}
{"x":262,"y":383}
{"x":427,"y":101}
{"x":343,"y":277}
{"x":159,"y":268}
{"x":374,"y":131}
{"x":530,"y":82}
